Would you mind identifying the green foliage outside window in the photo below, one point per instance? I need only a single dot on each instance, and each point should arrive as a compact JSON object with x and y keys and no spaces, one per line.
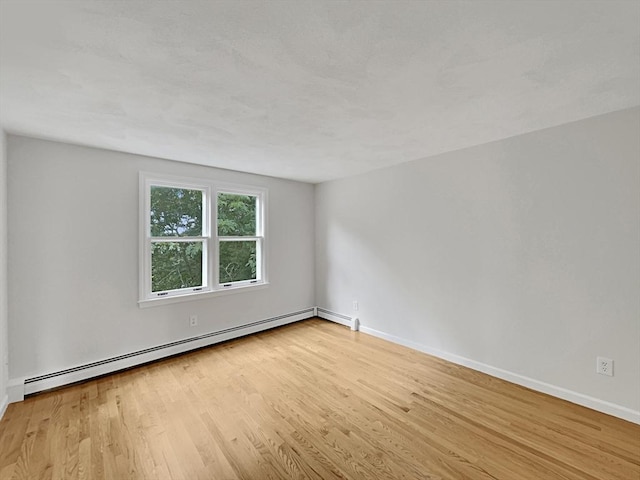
{"x":176,"y":265}
{"x":237,"y":261}
{"x":236,"y":215}
{"x":237,"y":218}
{"x":178,"y":212}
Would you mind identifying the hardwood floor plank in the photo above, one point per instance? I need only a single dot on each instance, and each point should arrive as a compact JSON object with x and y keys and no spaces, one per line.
{"x":312,"y":400}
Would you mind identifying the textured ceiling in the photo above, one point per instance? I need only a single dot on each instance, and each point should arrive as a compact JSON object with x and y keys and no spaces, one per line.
{"x":310,"y":90}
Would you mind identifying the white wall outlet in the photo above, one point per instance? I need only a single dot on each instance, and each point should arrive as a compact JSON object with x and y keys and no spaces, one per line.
{"x":355,"y":305}
{"x":193,"y":320}
{"x":604,"y":366}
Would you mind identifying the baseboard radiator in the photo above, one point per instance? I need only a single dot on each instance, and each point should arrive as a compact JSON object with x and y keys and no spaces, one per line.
{"x":340,"y":318}
{"x":18,"y":388}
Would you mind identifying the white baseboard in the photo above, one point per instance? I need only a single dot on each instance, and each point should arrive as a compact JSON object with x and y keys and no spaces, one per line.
{"x":20,"y":387}
{"x":3,"y":405}
{"x":537,"y":385}
{"x":15,"y":390}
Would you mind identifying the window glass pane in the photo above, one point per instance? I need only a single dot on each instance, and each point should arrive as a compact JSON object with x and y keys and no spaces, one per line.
{"x":236,"y":215}
{"x":176,"y":212}
{"x":175,"y":265}
{"x":237,"y":261}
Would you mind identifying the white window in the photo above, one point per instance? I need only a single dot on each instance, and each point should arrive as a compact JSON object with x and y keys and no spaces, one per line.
{"x":199,"y":238}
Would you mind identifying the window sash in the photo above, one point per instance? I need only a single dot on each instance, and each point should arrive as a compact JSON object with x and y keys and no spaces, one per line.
{"x":204,"y":273}
{"x":150,"y":181}
{"x":259,"y":277}
{"x":260,"y":195}
{"x":203,"y":208}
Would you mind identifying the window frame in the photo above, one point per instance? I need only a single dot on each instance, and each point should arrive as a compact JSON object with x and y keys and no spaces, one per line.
{"x":210,"y":238}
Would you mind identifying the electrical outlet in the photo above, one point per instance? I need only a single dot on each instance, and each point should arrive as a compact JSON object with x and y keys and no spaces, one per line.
{"x":193,"y":320}
{"x":355,"y":305}
{"x":604,"y":366}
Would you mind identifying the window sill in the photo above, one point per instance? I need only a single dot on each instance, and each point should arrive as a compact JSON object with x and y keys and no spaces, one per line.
{"x":187,"y":297}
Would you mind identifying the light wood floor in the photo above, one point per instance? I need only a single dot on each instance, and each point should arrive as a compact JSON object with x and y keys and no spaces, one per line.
{"x":310,"y":400}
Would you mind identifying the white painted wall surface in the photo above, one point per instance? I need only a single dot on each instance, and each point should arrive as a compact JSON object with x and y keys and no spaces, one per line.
{"x":522,"y":255}
{"x":73,"y":268}
{"x":4,"y":333}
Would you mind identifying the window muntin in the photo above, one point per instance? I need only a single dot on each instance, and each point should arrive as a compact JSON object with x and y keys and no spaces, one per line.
{"x":199,"y":237}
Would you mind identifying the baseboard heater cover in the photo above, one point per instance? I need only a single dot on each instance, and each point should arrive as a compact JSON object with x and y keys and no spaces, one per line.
{"x":113,"y":364}
{"x":335,"y":314}
{"x":352,"y":322}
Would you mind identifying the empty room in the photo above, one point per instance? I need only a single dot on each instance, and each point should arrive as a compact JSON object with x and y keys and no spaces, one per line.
{"x":320,"y":239}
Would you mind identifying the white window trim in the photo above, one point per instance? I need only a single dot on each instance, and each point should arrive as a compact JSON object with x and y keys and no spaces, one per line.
{"x":212,"y":286}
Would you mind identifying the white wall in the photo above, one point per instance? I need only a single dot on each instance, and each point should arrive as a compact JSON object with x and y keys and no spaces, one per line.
{"x":4,"y":347}
{"x":520,"y":257}
{"x":73,"y":269}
